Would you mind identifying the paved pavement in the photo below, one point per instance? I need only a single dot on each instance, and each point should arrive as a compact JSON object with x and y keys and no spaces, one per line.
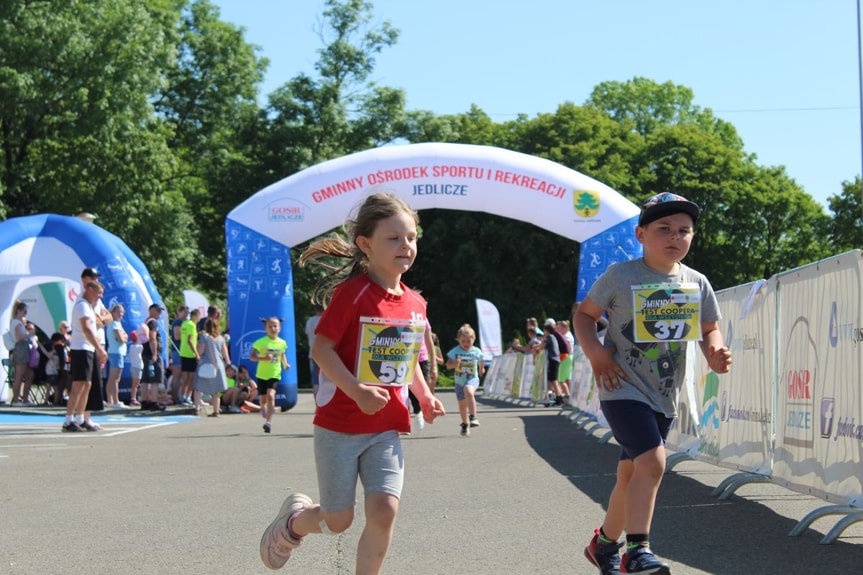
{"x":187,"y":495}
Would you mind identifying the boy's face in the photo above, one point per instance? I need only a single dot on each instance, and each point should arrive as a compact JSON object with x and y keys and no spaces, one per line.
{"x":667,"y":240}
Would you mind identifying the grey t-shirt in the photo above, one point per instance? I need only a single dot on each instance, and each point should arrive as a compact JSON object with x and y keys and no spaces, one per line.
{"x":654,"y":369}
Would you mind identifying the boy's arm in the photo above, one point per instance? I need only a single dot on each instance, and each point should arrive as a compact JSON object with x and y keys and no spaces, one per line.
{"x":712,"y":346}
{"x":606,"y":371}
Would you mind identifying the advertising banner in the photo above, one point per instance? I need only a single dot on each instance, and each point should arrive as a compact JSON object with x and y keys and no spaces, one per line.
{"x":819,"y":408}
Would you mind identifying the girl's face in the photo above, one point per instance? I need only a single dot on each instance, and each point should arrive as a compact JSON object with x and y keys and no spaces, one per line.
{"x":466,"y":340}
{"x":666,"y":241}
{"x":392,"y":247}
{"x":119,"y":313}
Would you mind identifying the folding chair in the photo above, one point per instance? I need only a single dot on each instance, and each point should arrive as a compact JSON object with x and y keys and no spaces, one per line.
{"x":9,"y":380}
{"x":39,"y":390}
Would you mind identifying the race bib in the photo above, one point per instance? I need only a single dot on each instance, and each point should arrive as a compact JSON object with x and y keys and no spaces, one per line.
{"x":389,"y":349}
{"x":667,"y":312}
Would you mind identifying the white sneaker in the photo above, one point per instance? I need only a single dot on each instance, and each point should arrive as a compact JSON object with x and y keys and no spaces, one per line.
{"x":276,"y":543}
{"x":421,"y":423}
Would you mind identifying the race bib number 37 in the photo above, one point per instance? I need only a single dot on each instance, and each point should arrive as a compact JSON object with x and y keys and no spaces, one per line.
{"x":389,"y":350}
{"x":667,"y":312}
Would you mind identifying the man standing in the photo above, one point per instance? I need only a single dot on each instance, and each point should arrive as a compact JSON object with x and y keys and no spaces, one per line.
{"x":95,"y":398}
{"x":176,"y":373}
{"x":152,"y":357}
{"x":87,"y":356}
{"x":213,"y":313}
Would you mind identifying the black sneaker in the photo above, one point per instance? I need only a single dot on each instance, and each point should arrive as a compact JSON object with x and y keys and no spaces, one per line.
{"x":267,"y":427}
{"x":71,"y":427}
{"x":465,"y":430}
{"x":157,"y":407}
{"x":146,"y":405}
{"x":474,"y":422}
{"x":89,"y":427}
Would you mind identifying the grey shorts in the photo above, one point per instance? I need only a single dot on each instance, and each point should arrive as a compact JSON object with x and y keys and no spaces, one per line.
{"x":340,"y":458}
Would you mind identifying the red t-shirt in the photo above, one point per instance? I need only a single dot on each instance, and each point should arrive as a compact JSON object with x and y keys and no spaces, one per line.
{"x":340,"y":322}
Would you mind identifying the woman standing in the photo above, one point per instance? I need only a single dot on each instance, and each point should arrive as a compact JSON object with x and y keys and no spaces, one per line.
{"x":117,"y":338}
{"x":20,"y":355}
{"x":210,"y":377}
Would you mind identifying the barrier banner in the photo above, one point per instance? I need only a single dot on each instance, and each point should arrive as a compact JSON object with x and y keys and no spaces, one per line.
{"x":583,"y":392}
{"x":819,"y":422}
{"x":733,"y":412}
{"x":539,"y":382}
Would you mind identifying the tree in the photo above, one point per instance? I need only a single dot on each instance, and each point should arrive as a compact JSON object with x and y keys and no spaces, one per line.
{"x":846,"y":230}
{"x":209,"y":105}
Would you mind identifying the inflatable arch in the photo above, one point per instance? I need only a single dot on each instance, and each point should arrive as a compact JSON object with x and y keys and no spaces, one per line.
{"x":49,"y":249}
{"x":261,"y":231}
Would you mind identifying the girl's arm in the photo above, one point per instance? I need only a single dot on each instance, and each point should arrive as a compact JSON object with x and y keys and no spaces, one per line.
{"x":226,"y":355}
{"x":369,"y":398}
{"x":431,"y":406}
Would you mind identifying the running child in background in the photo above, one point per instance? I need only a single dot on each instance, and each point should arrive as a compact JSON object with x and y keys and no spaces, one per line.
{"x":269,"y":352}
{"x":367,"y":344}
{"x":467,"y":361}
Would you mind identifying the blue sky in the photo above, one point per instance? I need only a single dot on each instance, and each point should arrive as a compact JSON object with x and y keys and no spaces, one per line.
{"x":785,"y":73}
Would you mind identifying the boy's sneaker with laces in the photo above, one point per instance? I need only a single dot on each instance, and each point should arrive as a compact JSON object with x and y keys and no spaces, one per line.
{"x":465,"y":431}
{"x":642,"y":560}
{"x":474,"y":422}
{"x":605,"y":556}
{"x":277,"y":543}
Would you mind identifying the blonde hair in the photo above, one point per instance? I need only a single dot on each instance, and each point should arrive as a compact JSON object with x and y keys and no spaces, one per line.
{"x":465,"y":329}
{"x":376,"y":207}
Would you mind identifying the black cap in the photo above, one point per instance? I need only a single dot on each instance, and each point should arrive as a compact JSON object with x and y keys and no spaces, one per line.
{"x":89,"y":273}
{"x":666,"y":204}
{"x":157,"y":306}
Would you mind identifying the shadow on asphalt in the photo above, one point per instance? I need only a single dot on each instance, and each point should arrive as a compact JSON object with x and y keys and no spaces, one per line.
{"x":737,"y":536}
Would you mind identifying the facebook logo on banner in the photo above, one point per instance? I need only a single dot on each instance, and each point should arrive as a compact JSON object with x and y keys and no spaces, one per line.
{"x":828,"y":405}
{"x":597,"y":253}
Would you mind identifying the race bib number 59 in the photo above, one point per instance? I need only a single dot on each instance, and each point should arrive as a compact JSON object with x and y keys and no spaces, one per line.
{"x":667,"y":312}
{"x":389,"y":350}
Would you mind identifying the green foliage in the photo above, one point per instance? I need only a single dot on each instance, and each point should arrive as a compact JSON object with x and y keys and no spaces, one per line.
{"x":846,"y":229}
{"x":145,"y":112}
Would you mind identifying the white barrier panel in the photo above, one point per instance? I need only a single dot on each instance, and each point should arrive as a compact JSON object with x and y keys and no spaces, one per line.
{"x":819,"y":423}
{"x":493,"y":381}
{"x":511,"y":375}
{"x":583,"y":392}
{"x":733,"y":422}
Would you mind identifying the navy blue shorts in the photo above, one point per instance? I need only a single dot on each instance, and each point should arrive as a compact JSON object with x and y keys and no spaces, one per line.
{"x":636,"y":426}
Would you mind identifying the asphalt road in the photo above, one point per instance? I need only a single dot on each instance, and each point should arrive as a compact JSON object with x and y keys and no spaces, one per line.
{"x":522,"y":495}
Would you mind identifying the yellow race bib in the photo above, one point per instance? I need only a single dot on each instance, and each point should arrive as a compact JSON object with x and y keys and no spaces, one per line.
{"x":389,"y":350}
{"x":666,"y":312}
